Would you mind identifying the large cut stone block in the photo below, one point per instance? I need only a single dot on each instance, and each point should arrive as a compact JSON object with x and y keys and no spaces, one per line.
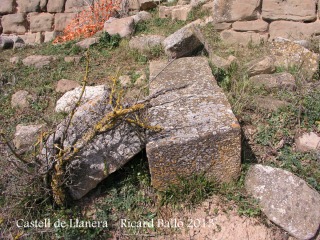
{"x":200,"y":132}
{"x":235,"y":10}
{"x":295,"y":10}
{"x":14,"y":23}
{"x":6,"y":6}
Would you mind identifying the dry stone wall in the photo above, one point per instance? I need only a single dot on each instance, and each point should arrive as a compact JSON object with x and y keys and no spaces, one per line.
{"x":36,"y":21}
{"x":259,"y":20}
{"x":240,"y":21}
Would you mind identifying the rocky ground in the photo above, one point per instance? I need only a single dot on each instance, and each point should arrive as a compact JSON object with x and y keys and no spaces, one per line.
{"x":266,"y":92}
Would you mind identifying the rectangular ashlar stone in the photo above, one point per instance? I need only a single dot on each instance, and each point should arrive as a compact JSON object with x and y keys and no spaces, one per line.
{"x":292,"y":10}
{"x":200,"y":133}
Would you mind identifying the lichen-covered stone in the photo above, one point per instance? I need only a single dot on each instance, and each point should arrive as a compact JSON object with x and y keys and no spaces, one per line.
{"x":286,"y":200}
{"x":106,"y":153}
{"x":289,"y":54}
{"x":200,"y":132}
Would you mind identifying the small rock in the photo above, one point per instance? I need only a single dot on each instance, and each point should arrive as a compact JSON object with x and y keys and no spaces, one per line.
{"x":38,"y":61}
{"x":123,"y":26}
{"x":146,"y":43}
{"x":125,"y":80}
{"x":308,"y":142}
{"x":68,"y":100}
{"x":75,"y":59}
{"x":264,"y":65}
{"x":15,"y":60}
{"x":269,"y":104}
{"x":65,"y":85}
{"x":286,"y":200}
{"x":21,"y":99}
{"x":50,"y":36}
{"x":88,"y":42}
{"x":275,"y":81}
{"x":141,"y":17}
{"x":26,"y":135}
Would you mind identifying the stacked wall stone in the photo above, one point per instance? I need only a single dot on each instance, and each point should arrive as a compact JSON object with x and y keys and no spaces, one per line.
{"x":36,"y":21}
{"x":242,"y":20}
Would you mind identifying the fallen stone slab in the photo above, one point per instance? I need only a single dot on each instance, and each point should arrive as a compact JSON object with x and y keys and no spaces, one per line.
{"x":69,"y":99}
{"x":183,"y":42}
{"x":200,"y":132}
{"x":106,"y":153}
{"x":286,"y":199}
{"x":288,"y":54}
{"x":146,"y":43}
{"x":38,"y":61}
{"x":277,"y":81}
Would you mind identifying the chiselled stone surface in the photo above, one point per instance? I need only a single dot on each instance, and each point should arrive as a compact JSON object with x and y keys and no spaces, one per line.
{"x":235,"y":10}
{"x":105,"y":154}
{"x":286,"y":199}
{"x":289,"y":54}
{"x":179,"y":12}
{"x":199,"y":131}
{"x":296,"y":10}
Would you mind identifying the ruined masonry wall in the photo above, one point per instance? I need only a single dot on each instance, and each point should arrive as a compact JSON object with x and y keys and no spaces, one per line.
{"x":266,"y":19}
{"x":36,"y":21}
